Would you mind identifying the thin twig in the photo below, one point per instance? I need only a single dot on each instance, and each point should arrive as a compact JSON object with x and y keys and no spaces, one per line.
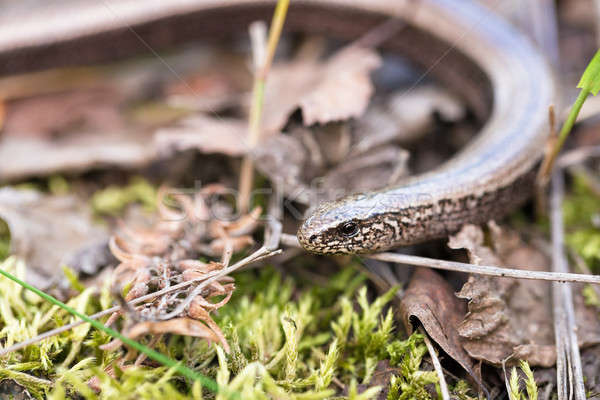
{"x":436,"y":365}
{"x":542,"y":178}
{"x":274,"y":228}
{"x":507,"y":272}
{"x":484,"y":270}
{"x":258,"y":92}
{"x":568,"y":125}
{"x":261,"y":253}
{"x":564,"y":310}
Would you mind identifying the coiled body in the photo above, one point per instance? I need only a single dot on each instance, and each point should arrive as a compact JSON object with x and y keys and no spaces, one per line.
{"x":488,"y":179}
{"x":498,"y":72}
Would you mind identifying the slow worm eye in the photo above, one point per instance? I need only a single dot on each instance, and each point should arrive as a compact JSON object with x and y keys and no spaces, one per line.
{"x":349,"y":229}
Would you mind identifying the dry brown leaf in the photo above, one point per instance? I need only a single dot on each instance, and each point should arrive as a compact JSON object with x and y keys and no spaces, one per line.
{"x":198,"y":266}
{"x":509,"y":317}
{"x":55,"y":114}
{"x":337,"y":89}
{"x":334,"y":140}
{"x":414,"y":111}
{"x":23,"y":157}
{"x":48,"y":232}
{"x":405,"y":117}
{"x":535,"y":354}
{"x":199,"y":312}
{"x":157,"y":257}
{"x":206,"y":134}
{"x":244,"y":225}
{"x":72,"y":130}
{"x":430,"y":300}
{"x":283,"y":159}
{"x":207,"y":91}
{"x":375,"y":128}
{"x":381,"y":166}
{"x":344,"y":87}
{"x":503,"y":313}
{"x":239,"y":243}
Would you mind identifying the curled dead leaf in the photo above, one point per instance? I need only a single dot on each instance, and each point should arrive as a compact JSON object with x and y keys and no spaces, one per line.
{"x":343,"y":89}
{"x":509,"y":318}
{"x":430,"y":300}
{"x":334,"y":90}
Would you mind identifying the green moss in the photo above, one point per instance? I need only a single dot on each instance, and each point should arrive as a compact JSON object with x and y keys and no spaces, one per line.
{"x":591,"y":296}
{"x":408,"y":355}
{"x":531,"y":390}
{"x":462,"y":391}
{"x":580,"y":208}
{"x":288,"y":339}
{"x":4,"y":240}
{"x":58,"y":185}
{"x":114,"y":199}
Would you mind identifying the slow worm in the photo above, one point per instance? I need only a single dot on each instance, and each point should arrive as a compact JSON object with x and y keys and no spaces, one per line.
{"x":503,"y":78}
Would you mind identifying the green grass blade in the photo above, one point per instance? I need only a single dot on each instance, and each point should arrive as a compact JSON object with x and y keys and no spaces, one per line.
{"x":590,"y":80}
{"x":161,"y":358}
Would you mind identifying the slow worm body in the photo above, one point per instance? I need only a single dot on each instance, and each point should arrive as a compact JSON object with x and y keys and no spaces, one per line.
{"x":488,"y":179}
{"x":498,"y":72}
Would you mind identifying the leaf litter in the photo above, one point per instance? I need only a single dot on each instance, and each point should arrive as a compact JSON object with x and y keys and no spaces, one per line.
{"x":273,"y":336}
{"x":508,"y":318}
{"x":50,"y":232}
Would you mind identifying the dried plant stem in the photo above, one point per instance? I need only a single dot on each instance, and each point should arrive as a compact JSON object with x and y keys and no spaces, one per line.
{"x":258,"y":92}
{"x":260,"y":254}
{"x":436,"y":365}
{"x":542,"y":179}
{"x":290,"y":240}
{"x":2,"y":112}
{"x":548,"y":162}
{"x":568,"y":363}
{"x":483,"y":269}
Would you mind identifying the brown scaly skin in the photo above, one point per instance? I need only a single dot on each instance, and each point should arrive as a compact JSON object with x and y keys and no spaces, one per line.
{"x":383,"y":220}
